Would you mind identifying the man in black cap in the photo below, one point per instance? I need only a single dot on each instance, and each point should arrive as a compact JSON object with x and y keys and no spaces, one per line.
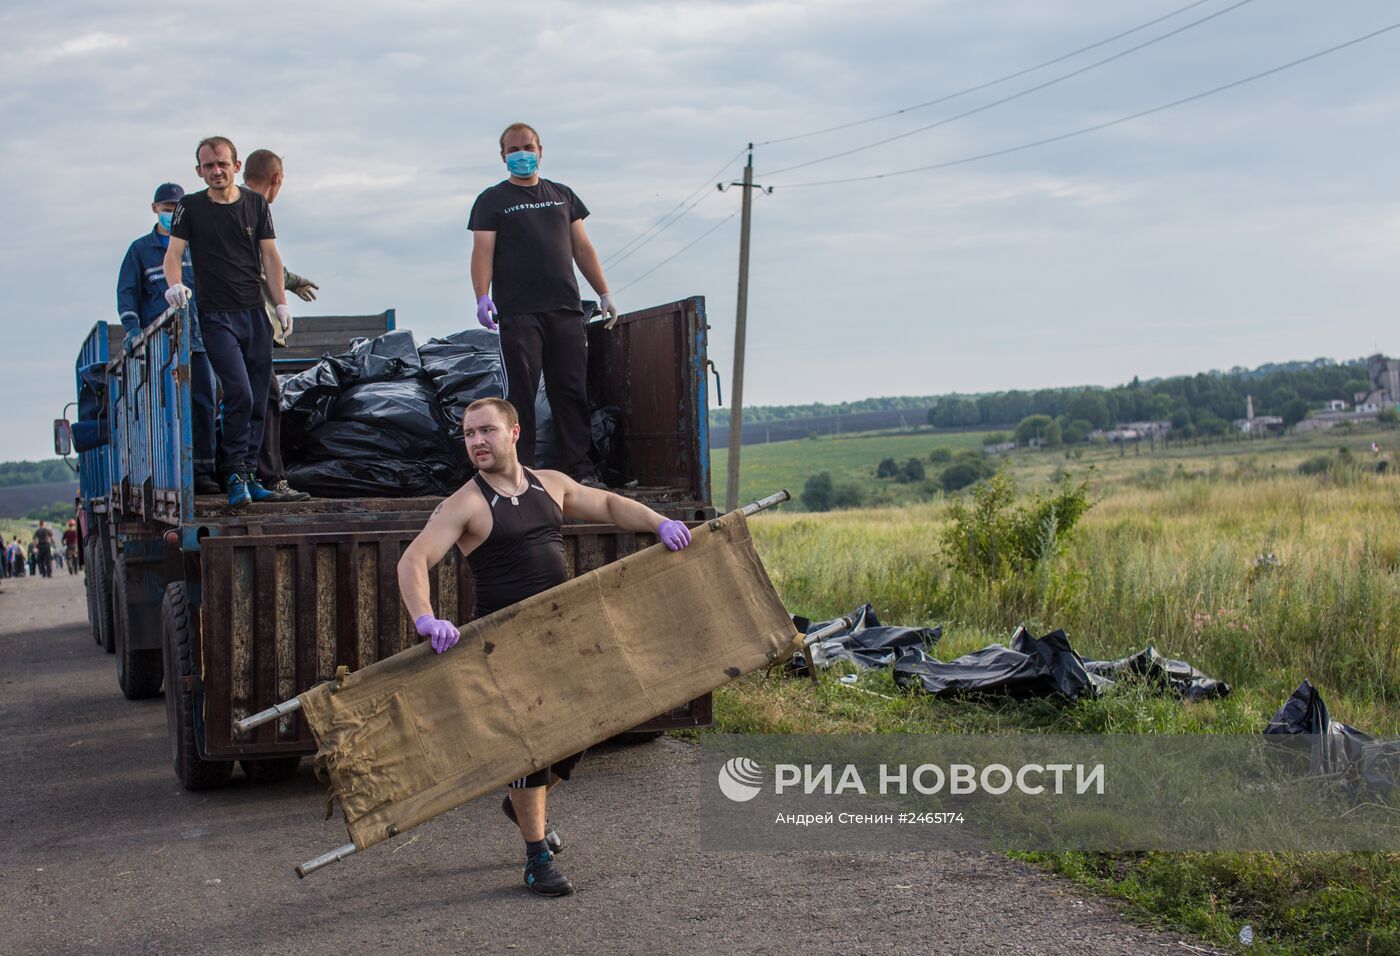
{"x":141,"y":291}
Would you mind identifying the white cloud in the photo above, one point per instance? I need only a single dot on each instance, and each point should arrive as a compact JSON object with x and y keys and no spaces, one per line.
{"x":89,"y":43}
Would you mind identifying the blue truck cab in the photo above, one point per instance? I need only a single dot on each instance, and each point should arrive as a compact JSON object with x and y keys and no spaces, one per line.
{"x":231,"y":611}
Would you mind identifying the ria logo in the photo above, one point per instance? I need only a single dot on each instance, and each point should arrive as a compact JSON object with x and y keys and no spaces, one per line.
{"x":740,"y":779}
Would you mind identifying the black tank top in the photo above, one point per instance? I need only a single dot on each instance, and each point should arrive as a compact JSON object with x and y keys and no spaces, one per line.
{"x":524,"y":553}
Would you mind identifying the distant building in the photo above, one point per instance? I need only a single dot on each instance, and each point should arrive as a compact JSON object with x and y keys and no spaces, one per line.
{"x":999,"y":448}
{"x":1331,"y":419}
{"x":1384,"y":375}
{"x":1253,"y":424}
{"x":1131,"y":431}
{"x":1384,"y":392}
{"x":1259,"y":425}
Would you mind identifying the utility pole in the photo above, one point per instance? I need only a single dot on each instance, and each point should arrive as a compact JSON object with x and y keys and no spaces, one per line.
{"x":736,"y":380}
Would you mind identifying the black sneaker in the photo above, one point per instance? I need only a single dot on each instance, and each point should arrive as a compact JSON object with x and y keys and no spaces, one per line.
{"x":287,"y":492}
{"x":556,"y":844}
{"x":593,"y":481}
{"x":207,"y":485}
{"x":544,"y":878}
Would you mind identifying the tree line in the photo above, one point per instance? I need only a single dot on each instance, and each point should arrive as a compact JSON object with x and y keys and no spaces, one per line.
{"x":1205,"y":401}
{"x":14,"y":473}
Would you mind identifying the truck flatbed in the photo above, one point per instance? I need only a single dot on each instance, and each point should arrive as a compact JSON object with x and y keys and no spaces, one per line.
{"x":233,"y":610}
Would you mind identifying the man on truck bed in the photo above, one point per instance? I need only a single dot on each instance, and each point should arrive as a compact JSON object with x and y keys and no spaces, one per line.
{"x":141,"y":288}
{"x":507,"y":522}
{"x":263,"y":174}
{"x":527,"y":233}
{"x":232,"y":244}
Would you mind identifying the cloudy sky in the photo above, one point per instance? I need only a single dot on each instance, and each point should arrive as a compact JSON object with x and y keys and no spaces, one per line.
{"x":1260,"y":224}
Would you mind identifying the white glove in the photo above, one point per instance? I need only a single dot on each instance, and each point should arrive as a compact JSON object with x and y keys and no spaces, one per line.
{"x":609,"y":308}
{"x":178,"y":296}
{"x":284,"y":316}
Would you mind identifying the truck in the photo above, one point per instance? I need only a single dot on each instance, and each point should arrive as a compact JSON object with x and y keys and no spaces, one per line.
{"x":230,"y":611}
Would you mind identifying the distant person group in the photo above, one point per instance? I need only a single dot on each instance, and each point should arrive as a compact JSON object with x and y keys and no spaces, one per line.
{"x":38,"y":556}
{"x":215,"y":253}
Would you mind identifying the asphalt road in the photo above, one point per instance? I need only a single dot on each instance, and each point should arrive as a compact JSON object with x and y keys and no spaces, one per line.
{"x":104,"y":853}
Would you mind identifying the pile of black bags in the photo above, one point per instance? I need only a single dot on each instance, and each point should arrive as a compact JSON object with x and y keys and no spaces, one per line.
{"x":385,"y":418}
{"x":1030,"y":667}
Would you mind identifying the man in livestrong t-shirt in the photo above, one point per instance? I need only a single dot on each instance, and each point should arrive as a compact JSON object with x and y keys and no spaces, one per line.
{"x":527,"y":234}
{"x":232,"y":245}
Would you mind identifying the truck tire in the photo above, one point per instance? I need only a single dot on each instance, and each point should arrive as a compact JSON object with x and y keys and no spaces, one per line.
{"x":177,"y":625}
{"x":139,"y":673}
{"x":90,"y":586}
{"x":270,"y":769}
{"x":102,"y":598}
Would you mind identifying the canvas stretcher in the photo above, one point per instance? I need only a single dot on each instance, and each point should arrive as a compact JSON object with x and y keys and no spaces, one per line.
{"x":417,"y":734}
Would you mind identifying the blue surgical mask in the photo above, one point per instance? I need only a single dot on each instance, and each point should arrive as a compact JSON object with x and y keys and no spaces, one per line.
{"x":522,"y":163}
{"x":165,"y":218}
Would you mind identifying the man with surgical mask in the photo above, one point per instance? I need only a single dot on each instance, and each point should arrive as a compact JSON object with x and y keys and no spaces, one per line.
{"x":527,"y":236}
{"x":141,"y":300}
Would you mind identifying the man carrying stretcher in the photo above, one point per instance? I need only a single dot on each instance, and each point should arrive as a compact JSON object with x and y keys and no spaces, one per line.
{"x":508,"y":522}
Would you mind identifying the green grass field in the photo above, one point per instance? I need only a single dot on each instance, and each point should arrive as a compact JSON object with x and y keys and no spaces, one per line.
{"x":852,"y":458}
{"x":1167,"y":557}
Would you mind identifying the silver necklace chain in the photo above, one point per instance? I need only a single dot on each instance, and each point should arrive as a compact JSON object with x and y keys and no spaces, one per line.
{"x":514,"y":496}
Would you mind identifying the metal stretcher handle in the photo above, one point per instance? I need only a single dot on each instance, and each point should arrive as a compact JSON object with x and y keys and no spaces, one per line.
{"x":812,"y":643}
{"x":267,"y":716}
{"x":754,"y":507}
{"x":325,"y":859}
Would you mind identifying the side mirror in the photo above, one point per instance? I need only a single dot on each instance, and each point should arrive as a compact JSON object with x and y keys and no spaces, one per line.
{"x":62,"y":437}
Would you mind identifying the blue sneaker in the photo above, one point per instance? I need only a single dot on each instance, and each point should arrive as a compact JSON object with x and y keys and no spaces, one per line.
{"x":238,"y":494}
{"x":257,"y":492}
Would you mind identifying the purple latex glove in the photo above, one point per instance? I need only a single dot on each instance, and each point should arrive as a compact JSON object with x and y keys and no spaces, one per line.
{"x":440,"y":634}
{"x":486,"y":312}
{"x":674,"y":534}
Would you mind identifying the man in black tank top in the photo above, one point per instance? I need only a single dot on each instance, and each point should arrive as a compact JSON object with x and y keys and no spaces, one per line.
{"x":508,"y":522}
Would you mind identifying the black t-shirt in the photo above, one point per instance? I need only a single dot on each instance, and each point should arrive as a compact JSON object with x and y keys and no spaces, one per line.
{"x":533,"y":269}
{"x":223,"y":240}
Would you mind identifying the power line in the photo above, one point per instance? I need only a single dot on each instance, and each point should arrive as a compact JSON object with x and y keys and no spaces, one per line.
{"x":678,"y":252}
{"x":662,"y":224}
{"x":623,"y":255}
{"x":989,"y":83}
{"x":1115,"y":122}
{"x":1015,"y":96}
